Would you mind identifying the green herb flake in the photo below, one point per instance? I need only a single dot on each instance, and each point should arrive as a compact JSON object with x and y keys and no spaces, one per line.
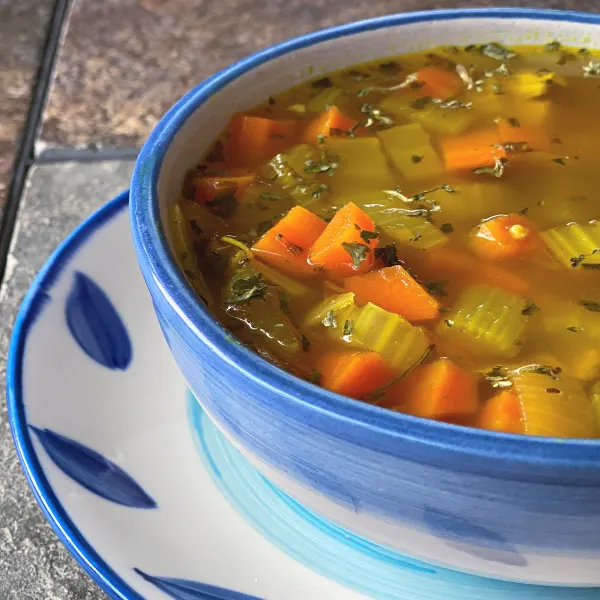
{"x":305,"y":342}
{"x":390,"y":68}
{"x":498,"y":89}
{"x":329,"y":320}
{"x":553,"y":372}
{"x":269,"y":196}
{"x":245,"y":288}
{"x":271,"y":101}
{"x":327,"y":167}
{"x":388,"y":255}
{"x":348,"y":330}
{"x":416,"y":159}
{"x":513,"y":122}
{"x":195,"y":227}
{"x":590,"y":305}
{"x":444,"y":309}
{"x":358,"y":252}
{"x":497,"y":170}
{"x":421,"y":103}
{"x":436,"y":288}
{"x":322,"y":84}
{"x":497,"y":52}
{"x":530,"y":308}
{"x":291,"y":247}
{"x":592,"y":69}
{"x":574,"y":329}
{"x":416,"y":237}
{"x":367,"y":236}
{"x":223,"y":204}
{"x":447,"y":188}
{"x":446,"y":228}
{"x":375,"y":116}
{"x":552,"y":46}
{"x":320,"y":190}
{"x":314,"y":377}
{"x":559,"y":161}
{"x":284,"y":303}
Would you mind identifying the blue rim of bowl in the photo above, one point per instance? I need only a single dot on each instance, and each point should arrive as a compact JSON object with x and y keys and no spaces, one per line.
{"x":153,"y":245}
{"x":156,"y":261}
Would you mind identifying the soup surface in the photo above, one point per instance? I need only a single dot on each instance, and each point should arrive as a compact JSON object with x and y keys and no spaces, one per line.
{"x":417,"y":233}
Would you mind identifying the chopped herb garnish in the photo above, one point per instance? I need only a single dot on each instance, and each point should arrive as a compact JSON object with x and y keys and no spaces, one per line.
{"x":513,"y":122}
{"x":523,"y":212}
{"x":559,"y":161}
{"x":284,"y":303}
{"x":444,"y":309}
{"x":583,"y":51}
{"x":271,"y":101}
{"x":497,"y":52}
{"x":446,"y":228}
{"x":515,"y":147}
{"x":416,"y":159}
{"x":314,"y":377}
{"x":390,"y":67}
{"x":577,"y":260}
{"x":590,"y":305}
{"x":553,"y":390}
{"x":416,"y":237}
{"x":348,"y":330}
{"x":499,"y":377}
{"x":305,"y":343}
{"x":367,"y":236}
{"x":375,"y":116}
{"x":195,"y":227}
{"x":291,"y":247}
{"x":329,"y":320}
{"x":421,"y":103}
{"x":358,"y":252}
{"x":452,"y":103}
{"x":263,"y":227}
{"x":248,"y":285}
{"x":498,"y":89}
{"x":497,"y":170}
{"x":574,"y":329}
{"x":553,"y":372}
{"x":388,"y":255}
{"x":409,"y":81}
{"x":556,"y":140}
{"x":449,"y":322}
{"x":224,"y":204}
{"x":592,"y":69}
{"x":552,"y":46}
{"x":447,"y":188}
{"x":530,"y":307}
{"x":323,"y":83}
{"x":320,"y":190}
{"x":313,"y":166}
{"x":436,"y":288}
{"x":269,"y":196}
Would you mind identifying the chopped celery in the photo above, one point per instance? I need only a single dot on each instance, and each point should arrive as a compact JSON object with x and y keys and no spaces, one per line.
{"x":362,"y":165}
{"x":287,"y":168}
{"x":533,"y":84}
{"x":325,"y":99}
{"x":210,"y":224}
{"x":335,"y":304}
{"x":574,"y":245}
{"x":184,"y":253}
{"x":293,"y":287}
{"x":401,"y":344}
{"x":297,"y":108}
{"x":417,"y":232}
{"x":487,"y":321}
{"x":431,"y":117}
{"x":411,"y":152}
{"x":554,"y":407}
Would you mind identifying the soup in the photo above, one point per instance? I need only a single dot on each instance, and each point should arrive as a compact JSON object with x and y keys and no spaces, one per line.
{"x":416,"y":233}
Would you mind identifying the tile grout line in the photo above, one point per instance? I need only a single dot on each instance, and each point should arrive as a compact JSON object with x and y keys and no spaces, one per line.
{"x":25,"y":150}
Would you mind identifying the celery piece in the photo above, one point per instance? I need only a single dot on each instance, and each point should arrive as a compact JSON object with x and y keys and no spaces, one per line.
{"x":413,"y":231}
{"x":575,"y":245}
{"x":529,"y":85}
{"x":361,"y":165}
{"x":325,"y":99}
{"x":184,"y":253}
{"x":411,"y":152}
{"x":203,"y":219}
{"x":554,"y":407}
{"x":287,"y":169}
{"x":292,"y":287}
{"x":334,"y":304}
{"x":399,"y":342}
{"x":487,"y":321}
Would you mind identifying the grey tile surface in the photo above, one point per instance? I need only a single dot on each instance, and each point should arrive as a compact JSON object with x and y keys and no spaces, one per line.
{"x":34,"y":565}
{"x":124,"y":62}
{"x":22,"y":33}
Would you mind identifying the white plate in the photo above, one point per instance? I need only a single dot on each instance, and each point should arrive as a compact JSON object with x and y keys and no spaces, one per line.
{"x":138,"y":483}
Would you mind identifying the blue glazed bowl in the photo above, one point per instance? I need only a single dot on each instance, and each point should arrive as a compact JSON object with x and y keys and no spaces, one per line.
{"x":503,"y":506}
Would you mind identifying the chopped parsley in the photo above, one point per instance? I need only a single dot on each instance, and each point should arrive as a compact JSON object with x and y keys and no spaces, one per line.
{"x":592,"y":69}
{"x":329,"y":320}
{"x":367,"y":236}
{"x":446,"y":228}
{"x":497,"y":52}
{"x":590,"y":305}
{"x":322,"y":84}
{"x":320,"y":190}
{"x":436,"y":288}
{"x":574,"y":329}
{"x":416,"y":159}
{"x":497,"y":170}
{"x":284,"y":303}
{"x":291,"y":247}
{"x":305,"y":342}
{"x":348,"y":330}
{"x":224,"y":204}
{"x":327,"y":166}
{"x":388,"y":255}
{"x":416,"y":237}
{"x":513,"y":122}
{"x":247,"y":285}
{"x":552,"y":46}
{"x":530,"y":308}
{"x":358,"y":252}
{"x":269,"y":196}
{"x":375,"y":116}
{"x":314,"y":377}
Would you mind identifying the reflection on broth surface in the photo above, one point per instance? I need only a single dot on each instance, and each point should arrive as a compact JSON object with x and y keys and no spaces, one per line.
{"x":417,"y":233}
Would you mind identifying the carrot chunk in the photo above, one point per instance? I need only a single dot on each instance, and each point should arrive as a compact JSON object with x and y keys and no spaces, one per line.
{"x":437,"y":390}
{"x":473,"y":150}
{"x":394,"y":290}
{"x":439,"y":83}
{"x":452,"y":264}
{"x":234,"y":182}
{"x":286,"y":245}
{"x":354,"y":374}
{"x":253,"y":140}
{"x":332,"y":118}
{"x":504,"y":237}
{"x":347,"y":244}
{"x":502,"y":412}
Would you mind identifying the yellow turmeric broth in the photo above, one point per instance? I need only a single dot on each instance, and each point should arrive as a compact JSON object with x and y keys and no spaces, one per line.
{"x":417,"y":233}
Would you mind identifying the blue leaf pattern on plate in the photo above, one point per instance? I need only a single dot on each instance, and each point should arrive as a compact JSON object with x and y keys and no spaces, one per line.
{"x":96,"y":325}
{"x":94,"y":472}
{"x":183,"y":589}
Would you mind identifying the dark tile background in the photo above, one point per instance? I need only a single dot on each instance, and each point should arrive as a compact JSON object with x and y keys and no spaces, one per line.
{"x":124,"y":62}
{"x":22,"y":33}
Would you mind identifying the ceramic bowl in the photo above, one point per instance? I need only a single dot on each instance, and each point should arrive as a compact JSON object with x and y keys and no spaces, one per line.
{"x":516,"y":508}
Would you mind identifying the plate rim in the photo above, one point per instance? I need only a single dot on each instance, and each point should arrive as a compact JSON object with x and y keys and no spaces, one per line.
{"x":33,"y":302}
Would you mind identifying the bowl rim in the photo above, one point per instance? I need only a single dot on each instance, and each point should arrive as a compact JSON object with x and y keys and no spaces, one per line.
{"x":157,"y":264}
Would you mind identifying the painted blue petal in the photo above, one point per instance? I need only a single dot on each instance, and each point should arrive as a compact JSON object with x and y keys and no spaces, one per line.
{"x":96,"y":325}
{"x":473,"y":538}
{"x":94,"y":472}
{"x":183,"y":589}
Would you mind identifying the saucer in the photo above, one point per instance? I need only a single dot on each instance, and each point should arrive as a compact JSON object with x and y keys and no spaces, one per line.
{"x":137,"y":482}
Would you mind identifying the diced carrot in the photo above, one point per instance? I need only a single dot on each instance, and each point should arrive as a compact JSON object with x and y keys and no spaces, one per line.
{"x":286,"y":245}
{"x":439,"y":83}
{"x":394,"y":290}
{"x":504,"y":237}
{"x":253,"y":140}
{"x":354,"y":373}
{"x":472,"y":150}
{"x":451,"y":264}
{"x":502,"y":412}
{"x":234,"y":182}
{"x":534,"y":136}
{"x":332,"y":118}
{"x":345,"y":247}
{"x":437,"y":390}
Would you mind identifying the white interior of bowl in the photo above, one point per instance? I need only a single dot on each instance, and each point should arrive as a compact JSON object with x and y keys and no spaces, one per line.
{"x":291,"y":68}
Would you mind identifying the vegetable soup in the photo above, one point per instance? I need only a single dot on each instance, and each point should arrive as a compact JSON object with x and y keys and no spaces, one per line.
{"x":417,"y":233}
